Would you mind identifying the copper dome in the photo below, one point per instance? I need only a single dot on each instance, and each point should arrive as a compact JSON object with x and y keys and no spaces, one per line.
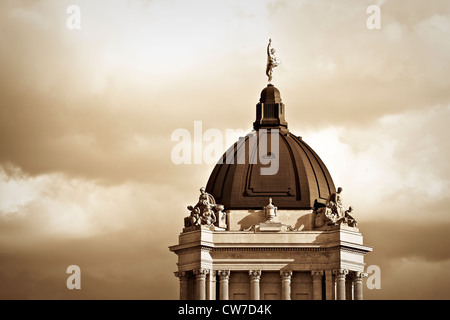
{"x":301,"y":182}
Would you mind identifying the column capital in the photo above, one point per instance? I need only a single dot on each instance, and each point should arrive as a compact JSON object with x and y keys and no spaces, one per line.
{"x":200,"y":273}
{"x":255,"y":275}
{"x":358,"y":284}
{"x":223,"y":274}
{"x":285,"y":274}
{"x":285,"y":284}
{"x":180,"y":274}
{"x":340,"y":273}
{"x":224,"y":278}
{"x":317,"y":284}
{"x":340,"y":283}
{"x":317,"y":275}
{"x":359,"y":276}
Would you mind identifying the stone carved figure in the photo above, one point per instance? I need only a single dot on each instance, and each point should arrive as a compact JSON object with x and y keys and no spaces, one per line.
{"x":205,"y":212}
{"x":272,"y":61}
{"x":349,"y":219}
{"x":322,"y":215}
{"x":333,"y":213}
{"x":334,"y":202}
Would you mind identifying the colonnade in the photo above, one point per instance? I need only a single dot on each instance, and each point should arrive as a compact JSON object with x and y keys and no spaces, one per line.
{"x":340,"y":284}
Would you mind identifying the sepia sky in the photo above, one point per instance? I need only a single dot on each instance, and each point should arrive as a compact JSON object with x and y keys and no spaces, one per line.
{"x":86,"y":117}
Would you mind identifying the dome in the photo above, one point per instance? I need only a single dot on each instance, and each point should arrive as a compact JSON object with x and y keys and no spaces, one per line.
{"x":270,"y":94}
{"x":302,"y":180}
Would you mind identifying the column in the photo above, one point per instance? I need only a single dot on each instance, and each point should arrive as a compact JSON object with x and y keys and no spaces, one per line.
{"x":200,"y":288}
{"x":182,"y":275}
{"x":349,"y":287}
{"x":358,"y":285}
{"x":255,"y":276}
{"x":329,"y":285}
{"x":211,"y":285}
{"x":286,"y":285}
{"x":317,"y":284}
{"x":340,"y":283}
{"x":224,"y":277}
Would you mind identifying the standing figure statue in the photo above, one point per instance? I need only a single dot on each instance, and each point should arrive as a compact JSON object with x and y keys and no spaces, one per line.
{"x":335,"y":203}
{"x":272,"y":61}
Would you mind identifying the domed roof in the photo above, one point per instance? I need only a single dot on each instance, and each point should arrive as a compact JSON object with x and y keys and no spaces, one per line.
{"x":301,"y":181}
{"x":270,"y":94}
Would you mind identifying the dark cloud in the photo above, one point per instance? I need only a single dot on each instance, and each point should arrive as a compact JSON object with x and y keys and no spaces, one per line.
{"x":412,"y":257}
{"x":119,"y":266}
{"x":402,"y":239}
{"x":77,"y":111}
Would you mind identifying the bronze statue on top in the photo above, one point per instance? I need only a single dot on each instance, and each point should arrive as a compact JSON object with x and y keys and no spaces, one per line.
{"x":272,"y":61}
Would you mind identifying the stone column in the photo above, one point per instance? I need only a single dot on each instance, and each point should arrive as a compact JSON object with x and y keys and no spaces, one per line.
{"x":286,"y":285}
{"x":340,"y":283}
{"x":358,"y":285}
{"x":200,"y":288}
{"x":255,"y":276}
{"x":182,"y":275}
{"x":317,"y":284}
{"x":329,"y":285}
{"x":349,"y":287}
{"x":211,"y":285}
{"x":224,"y":277}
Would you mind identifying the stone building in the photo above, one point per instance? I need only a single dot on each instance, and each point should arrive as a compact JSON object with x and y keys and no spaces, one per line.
{"x":270,"y":223}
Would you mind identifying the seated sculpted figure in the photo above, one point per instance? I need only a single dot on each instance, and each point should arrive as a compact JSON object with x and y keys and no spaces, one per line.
{"x":204,"y":212}
{"x":349,"y":219}
{"x":333,"y":212}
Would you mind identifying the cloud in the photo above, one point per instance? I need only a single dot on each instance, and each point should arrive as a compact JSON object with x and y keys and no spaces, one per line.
{"x":86,"y":119}
{"x":348,"y":74}
{"x":119,"y":266}
{"x":412,"y":279}
{"x":394,"y":169}
{"x":410,"y":240}
{"x":117,"y":234}
{"x":55,"y":205}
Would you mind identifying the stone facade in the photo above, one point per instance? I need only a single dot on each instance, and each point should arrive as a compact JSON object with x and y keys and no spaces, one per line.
{"x":309,"y":247}
{"x":294,"y":262}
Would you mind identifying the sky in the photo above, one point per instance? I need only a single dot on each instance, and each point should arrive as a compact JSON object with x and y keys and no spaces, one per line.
{"x":86,"y":118}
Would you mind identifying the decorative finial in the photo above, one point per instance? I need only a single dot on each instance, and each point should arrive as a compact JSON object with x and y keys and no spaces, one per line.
{"x":270,"y":211}
{"x":272,"y":61}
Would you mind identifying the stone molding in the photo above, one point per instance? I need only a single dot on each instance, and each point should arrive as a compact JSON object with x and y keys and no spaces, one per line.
{"x":208,"y":249}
